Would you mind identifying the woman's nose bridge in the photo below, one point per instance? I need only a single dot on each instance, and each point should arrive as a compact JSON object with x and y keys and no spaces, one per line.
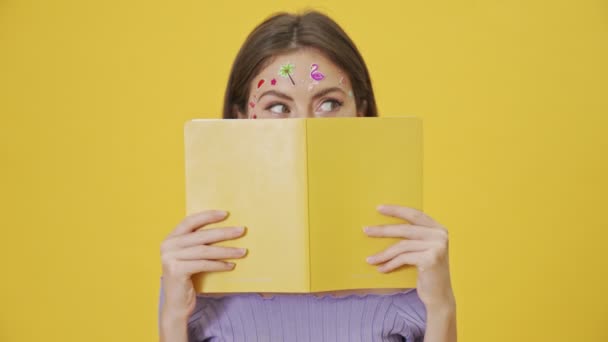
{"x":304,"y":113}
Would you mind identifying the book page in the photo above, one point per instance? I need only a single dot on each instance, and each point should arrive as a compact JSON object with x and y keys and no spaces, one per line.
{"x":255,"y":169}
{"x":355,"y":164}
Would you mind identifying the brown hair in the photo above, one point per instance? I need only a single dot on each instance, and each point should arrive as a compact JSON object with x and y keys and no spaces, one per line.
{"x":284,"y":32}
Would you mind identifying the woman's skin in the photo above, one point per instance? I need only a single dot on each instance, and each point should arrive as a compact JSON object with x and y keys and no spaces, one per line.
{"x":295,"y":94}
{"x":307,"y":98}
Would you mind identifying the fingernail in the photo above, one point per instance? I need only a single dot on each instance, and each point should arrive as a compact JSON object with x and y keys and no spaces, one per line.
{"x":370,"y":259}
{"x":221,"y":212}
{"x":230,"y":265}
{"x":240,"y":229}
{"x":243,"y":251}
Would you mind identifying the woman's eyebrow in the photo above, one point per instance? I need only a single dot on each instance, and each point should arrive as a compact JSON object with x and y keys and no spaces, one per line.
{"x":326,"y":91}
{"x":277,"y":94}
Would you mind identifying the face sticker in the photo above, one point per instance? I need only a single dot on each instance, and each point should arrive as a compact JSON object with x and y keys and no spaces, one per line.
{"x":312,"y":85}
{"x":286,"y":70}
{"x":251,"y":104}
{"x":273,"y":81}
{"x":350,"y":93}
{"x":315,"y":74}
{"x":260,"y":82}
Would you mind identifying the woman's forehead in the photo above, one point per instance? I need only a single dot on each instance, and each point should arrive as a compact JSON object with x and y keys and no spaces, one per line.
{"x":302,"y":61}
{"x":303,"y":70}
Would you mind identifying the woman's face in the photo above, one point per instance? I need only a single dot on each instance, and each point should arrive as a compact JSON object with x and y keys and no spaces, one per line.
{"x":301,"y":84}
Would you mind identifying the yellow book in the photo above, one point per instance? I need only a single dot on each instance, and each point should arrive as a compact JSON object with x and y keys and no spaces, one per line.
{"x":304,"y":188}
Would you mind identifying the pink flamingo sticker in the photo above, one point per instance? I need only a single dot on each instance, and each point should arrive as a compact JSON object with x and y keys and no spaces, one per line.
{"x":314,"y":74}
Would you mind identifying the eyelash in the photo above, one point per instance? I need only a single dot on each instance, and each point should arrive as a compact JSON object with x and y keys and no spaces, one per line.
{"x":276,"y":104}
{"x":336,"y":101}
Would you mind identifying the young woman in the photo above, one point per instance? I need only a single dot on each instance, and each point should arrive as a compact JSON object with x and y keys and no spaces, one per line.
{"x":305,"y":66}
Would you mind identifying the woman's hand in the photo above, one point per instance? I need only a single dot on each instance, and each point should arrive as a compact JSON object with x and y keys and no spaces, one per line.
{"x":186,"y":251}
{"x":425,"y":246}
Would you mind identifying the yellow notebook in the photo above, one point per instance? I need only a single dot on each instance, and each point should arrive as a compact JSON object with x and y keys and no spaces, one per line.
{"x":304,"y":188}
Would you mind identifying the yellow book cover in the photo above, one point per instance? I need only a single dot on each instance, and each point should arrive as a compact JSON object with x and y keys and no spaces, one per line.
{"x":304,"y":188}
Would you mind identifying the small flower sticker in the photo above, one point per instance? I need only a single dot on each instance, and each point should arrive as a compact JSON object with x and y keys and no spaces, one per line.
{"x":286,"y":70}
{"x":312,"y":85}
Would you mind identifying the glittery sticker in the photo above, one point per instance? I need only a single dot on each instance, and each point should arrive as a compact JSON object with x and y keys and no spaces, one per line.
{"x":315,"y":74}
{"x":273,"y":81}
{"x":286,"y":70}
{"x":260,"y":82}
{"x":312,"y":85}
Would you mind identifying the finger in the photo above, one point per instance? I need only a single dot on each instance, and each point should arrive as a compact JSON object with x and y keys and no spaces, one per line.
{"x":201,"y":237}
{"x":404,"y":231}
{"x":412,"y":215}
{"x":196,"y":266}
{"x":208,"y":236}
{"x":209,"y":253}
{"x":404,"y":246}
{"x":198,"y":220}
{"x":413,"y":259}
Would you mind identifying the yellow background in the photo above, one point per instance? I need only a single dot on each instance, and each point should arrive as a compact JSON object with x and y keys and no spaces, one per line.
{"x":94,"y":94}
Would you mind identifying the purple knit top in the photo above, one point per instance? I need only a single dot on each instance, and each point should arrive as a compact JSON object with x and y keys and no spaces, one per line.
{"x":304,"y":317}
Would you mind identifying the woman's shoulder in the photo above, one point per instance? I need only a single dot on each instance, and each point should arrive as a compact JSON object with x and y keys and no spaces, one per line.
{"x":387,"y":311}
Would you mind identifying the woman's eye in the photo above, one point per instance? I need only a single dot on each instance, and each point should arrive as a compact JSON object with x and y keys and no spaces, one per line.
{"x":279,"y":108}
{"x":329,"y":106}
